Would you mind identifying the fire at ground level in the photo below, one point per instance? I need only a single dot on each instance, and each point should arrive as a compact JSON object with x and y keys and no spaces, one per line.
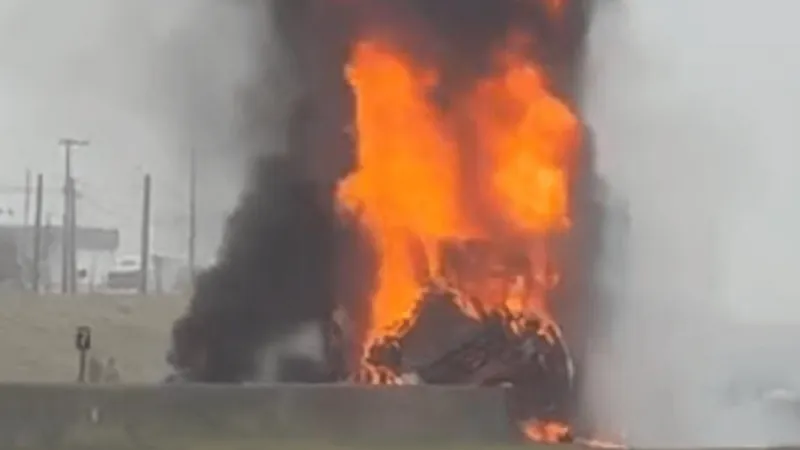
{"x":499,"y":234}
{"x":451,"y":130}
{"x":466,"y":330}
{"x":466,"y":166}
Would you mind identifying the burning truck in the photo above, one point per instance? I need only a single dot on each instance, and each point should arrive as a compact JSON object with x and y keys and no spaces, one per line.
{"x":434,"y":210}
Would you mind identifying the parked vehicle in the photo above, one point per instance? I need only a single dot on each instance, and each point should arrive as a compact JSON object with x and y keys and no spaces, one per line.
{"x":163,"y":274}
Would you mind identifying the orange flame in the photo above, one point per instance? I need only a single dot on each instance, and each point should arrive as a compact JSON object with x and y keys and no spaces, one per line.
{"x":409,"y":186}
{"x":546,"y":432}
{"x":406,"y":186}
{"x":553,"y":432}
{"x":529,"y":133}
{"x":555,"y":6}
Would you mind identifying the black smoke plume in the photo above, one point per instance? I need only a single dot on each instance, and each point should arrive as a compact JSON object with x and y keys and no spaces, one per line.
{"x":288,"y":256}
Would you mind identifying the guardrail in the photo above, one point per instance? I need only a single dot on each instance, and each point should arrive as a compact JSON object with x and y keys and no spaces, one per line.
{"x":53,"y":416}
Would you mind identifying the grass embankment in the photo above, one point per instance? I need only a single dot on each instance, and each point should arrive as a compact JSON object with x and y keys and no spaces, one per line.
{"x":36,"y":334}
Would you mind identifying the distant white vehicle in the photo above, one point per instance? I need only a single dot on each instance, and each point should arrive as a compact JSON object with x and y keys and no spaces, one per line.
{"x":163,"y":274}
{"x":125,"y":276}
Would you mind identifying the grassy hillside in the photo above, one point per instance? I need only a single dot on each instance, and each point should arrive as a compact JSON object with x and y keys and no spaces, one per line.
{"x":36,"y":334}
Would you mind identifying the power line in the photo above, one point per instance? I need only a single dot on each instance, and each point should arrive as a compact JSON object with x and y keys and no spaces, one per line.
{"x":118,"y":213}
{"x":124,"y":212}
{"x":175,"y":199}
{"x":13,"y":189}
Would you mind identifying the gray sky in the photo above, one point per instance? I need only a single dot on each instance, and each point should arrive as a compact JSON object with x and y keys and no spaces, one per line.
{"x":142,"y":80}
{"x":694,"y":104}
{"x":695,"y":113}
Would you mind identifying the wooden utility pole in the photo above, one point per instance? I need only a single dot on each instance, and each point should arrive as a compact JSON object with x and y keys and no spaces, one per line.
{"x":37,"y":235}
{"x":73,"y":240}
{"x":68,"y":251}
{"x":192,"y":212}
{"x":27,"y":208}
{"x":145,"y":256}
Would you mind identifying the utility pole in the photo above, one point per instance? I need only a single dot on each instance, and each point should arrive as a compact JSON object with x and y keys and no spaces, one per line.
{"x":73,"y":246}
{"x":27,"y":208}
{"x":192,"y":211}
{"x":37,"y":235}
{"x":145,"y":257}
{"x":68,"y":251}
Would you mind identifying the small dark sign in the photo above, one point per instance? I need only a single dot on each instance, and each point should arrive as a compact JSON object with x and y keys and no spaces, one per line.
{"x":83,"y":338}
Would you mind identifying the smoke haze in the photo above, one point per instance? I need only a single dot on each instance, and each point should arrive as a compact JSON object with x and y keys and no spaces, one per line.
{"x":691,"y":102}
{"x":144,"y":81}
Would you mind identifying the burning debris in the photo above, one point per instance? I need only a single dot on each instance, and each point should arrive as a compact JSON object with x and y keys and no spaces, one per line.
{"x":465,"y":190}
{"x":430,"y":210}
{"x":456,"y":335}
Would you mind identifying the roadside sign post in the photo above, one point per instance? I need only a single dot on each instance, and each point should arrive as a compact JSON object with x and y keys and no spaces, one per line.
{"x":83,"y":343}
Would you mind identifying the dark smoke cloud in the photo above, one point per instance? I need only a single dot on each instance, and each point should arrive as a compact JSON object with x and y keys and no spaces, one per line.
{"x":277,"y":263}
{"x":289,"y":257}
{"x":280,"y":267}
{"x":274,"y":273}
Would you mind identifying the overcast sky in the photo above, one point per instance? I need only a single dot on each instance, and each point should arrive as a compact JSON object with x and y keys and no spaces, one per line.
{"x":697,"y":98}
{"x":694,"y":104}
{"x":144,"y":81}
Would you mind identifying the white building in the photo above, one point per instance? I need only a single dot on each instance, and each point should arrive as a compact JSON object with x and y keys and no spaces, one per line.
{"x":95,"y":248}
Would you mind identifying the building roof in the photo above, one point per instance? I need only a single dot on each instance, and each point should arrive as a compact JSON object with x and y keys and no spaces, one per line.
{"x":86,"y":238}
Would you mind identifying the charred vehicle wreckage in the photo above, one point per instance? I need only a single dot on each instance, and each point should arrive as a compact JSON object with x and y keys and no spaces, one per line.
{"x":455,"y":336}
{"x":469,"y":326}
{"x":437,"y":211}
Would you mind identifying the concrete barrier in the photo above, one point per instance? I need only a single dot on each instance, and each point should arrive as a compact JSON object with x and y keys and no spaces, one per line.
{"x":58,"y":415}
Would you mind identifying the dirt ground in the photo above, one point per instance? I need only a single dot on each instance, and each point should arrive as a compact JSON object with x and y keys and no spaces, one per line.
{"x":37,"y":334}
